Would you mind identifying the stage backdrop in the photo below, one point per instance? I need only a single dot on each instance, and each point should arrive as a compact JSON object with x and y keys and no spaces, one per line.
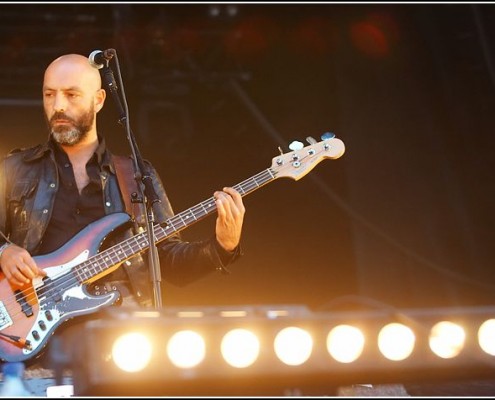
{"x":404,"y":218}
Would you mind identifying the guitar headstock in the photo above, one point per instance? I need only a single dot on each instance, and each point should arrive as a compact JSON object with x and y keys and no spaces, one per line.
{"x":301,"y":161}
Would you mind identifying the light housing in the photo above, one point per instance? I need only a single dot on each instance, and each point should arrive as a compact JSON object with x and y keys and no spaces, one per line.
{"x":263,"y":372}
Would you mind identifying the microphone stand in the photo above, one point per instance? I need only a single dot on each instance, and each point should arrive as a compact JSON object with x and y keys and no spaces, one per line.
{"x":141,"y":174}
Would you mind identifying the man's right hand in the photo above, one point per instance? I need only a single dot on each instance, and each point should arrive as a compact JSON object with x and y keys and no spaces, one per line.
{"x":18,"y":266}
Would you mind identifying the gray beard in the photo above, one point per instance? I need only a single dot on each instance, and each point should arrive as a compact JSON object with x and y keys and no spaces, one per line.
{"x":68,"y":137}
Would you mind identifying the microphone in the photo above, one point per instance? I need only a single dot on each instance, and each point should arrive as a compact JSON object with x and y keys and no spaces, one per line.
{"x":99,"y":58}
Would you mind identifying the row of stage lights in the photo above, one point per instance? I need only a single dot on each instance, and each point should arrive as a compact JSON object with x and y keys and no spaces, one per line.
{"x":291,"y":342}
{"x":240,"y":347}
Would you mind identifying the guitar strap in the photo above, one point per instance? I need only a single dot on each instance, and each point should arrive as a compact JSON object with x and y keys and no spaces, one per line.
{"x":124,"y":170}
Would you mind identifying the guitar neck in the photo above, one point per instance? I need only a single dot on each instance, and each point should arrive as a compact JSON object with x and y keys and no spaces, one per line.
{"x":103,"y":261}
{"x":186,"y":218}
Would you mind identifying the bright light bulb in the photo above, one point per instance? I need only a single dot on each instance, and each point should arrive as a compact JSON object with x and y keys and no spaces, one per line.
{"x":396,"y":341}
{"x":132,"y":352}
{"x":447,"y":339}
{"x":345,"y":343}
{"x":240,"y":348}
{"x":293,"y":346}
{"x":486,"y":336}
{"x":186,"y":349}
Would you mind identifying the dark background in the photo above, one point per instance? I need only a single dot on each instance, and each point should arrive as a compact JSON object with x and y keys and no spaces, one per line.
{"x":404,"y":218}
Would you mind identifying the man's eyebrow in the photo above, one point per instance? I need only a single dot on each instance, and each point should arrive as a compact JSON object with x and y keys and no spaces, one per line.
{"x":69,"y":89}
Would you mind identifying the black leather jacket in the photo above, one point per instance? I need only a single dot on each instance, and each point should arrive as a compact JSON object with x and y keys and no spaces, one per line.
{"x":28,"y":183}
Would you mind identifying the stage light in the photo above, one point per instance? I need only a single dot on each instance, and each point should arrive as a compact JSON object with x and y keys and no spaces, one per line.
{"x":186,"y":349}
{"x":132,"y":352}
{"x":447,"y":339}
{"x":345,"y":343}
{"x":240,"y":348}
{"x":486,"y":333}
{"x":293,"y":345}
{"x":269,"y":350}
{"x":396,"y":341}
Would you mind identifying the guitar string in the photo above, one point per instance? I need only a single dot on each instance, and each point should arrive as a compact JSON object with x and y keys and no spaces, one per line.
{"x":67,"y":278}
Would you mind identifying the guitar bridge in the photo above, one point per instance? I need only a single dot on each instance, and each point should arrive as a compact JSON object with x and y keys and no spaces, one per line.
{"x":5,"y":320}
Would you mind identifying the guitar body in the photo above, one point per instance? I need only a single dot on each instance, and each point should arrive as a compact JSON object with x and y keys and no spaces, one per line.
{"x":30,"y":314}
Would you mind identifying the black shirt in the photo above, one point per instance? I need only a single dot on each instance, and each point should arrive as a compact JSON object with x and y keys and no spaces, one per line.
{"x":73,"y":211}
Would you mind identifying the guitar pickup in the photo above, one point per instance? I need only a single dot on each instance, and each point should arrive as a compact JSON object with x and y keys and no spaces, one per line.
{"x":25,"y":306}
{"x":51,"y":290}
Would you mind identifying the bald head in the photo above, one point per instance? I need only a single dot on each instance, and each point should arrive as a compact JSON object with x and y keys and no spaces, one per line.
{"x":73,"y":70}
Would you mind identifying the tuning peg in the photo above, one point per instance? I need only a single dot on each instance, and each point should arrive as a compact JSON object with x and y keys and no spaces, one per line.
{"x":327,"y":135}
{"x":296,"y":145}
{"x":311,"y":140}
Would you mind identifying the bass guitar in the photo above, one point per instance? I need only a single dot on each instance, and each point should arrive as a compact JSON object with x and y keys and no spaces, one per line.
{"x":30,"y":314}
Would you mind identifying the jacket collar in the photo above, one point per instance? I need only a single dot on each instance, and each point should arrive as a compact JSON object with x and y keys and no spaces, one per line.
{"x":102,"y":153}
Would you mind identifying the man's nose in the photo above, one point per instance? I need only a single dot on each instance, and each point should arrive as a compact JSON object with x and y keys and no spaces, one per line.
{"x":60,"y":103}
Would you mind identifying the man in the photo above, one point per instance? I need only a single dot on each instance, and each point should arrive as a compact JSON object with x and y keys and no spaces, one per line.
{"x":49,"y":192}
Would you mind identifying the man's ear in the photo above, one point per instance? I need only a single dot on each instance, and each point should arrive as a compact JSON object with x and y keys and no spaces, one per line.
{"x":100,"y":97}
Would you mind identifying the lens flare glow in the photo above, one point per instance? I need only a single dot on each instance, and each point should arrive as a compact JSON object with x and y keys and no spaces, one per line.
{"x":186,"y":349}
{"x":396,"y":341}
{"x":486,"y":336}
{"x":132,"y":352}
{"x":447,"y":339}
{"x":293,"y":345}
{"x":345,"y":343}
{"x":240,"y":348}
